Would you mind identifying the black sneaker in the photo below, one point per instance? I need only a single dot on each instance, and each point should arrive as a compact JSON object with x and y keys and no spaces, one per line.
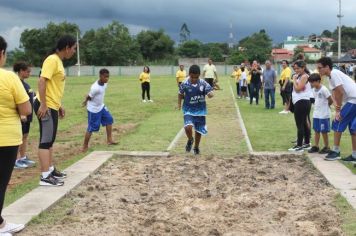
{"x":325,"y":150}
{"x":349,"y":159}
{"x":314,"y":149}
{"x":196,"y":151}
{"x":296,"y":149}
{"x":189,"y":145}
{"x":333,"y":156}
{"x":50,"y":181}
{"x":58,"y":174}
{"x":306,"y":146}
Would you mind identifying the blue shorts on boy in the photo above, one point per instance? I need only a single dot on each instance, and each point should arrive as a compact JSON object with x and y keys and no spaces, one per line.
{"x":102,"y":117}
{"x":198,"y":122}
{"x":348,"y":119}
{"x":321,"y":125}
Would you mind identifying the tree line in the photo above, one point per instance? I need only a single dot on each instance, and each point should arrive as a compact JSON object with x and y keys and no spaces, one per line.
{"x":113,"y":45}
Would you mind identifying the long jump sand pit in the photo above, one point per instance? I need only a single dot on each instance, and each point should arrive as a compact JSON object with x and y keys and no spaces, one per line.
{"x":245,"y":195}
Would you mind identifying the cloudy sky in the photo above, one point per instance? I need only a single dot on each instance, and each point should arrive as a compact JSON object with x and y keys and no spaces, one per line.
{"x":207,"y":20}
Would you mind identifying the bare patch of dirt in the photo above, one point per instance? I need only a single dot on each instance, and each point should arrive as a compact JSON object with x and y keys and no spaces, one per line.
{"x":200,"y":196}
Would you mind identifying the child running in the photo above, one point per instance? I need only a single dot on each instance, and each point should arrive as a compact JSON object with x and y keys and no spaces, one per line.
{"x":193,"y":91}
{"x":97,"y":111}
{"x":23,"y":70}
{"x":321,"y":116}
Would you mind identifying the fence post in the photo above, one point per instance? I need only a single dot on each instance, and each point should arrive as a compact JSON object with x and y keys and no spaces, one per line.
{"x":119,"y":70}
{"x":93,"y":71}
{"x":225,"y":69}
{"x":172,"y":70}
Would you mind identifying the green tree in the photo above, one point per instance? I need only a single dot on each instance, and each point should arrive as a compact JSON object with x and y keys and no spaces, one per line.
{"x":155,"y":45}
{"x":38,"y":43}
{"x":190,"y":49}
{"x":237,"y":57}
{"x":327,"y":33}
{"x":258,"y":46}
{"x":110,"y":45}
{"x":14,"y":56}
{"x":297,"y":52}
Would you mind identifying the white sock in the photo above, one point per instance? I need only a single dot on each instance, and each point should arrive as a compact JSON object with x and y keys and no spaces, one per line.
{"x":51,"y":168}
{"x":46,"y":174}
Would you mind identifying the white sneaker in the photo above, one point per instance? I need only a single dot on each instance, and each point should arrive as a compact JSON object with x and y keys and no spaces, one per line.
{"x":144,"y":100}
{"x":284,"y":112}
{"x":296,"y":149}
{"x":10,"y":228}
{"x":247,"y":98}
{"x":150,"y":100}
{"x":5,"y":234}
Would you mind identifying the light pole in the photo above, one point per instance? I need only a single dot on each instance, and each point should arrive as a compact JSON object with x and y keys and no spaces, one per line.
{"x":78,"y":54}
{"x":339,"y":43}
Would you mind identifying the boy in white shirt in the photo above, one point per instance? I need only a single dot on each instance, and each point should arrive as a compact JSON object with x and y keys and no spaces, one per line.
{"x":322,"y":113}
{"x":97,"y":111}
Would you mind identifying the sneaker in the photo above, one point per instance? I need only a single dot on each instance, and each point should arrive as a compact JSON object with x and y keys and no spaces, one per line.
{"x":306,"y":146}
{"x":325,"y":150}
{"x":349,"y":159}
{"x":296,"y":149}
{"x":150,"y":100}
{"x":58,"y":174}
{"x":11,"y":228}
{"x":196,"y":151}
{"x":5,"y":234}
{"x":50,"y":181}
{"x":28,"y":161}
{"x":247,"y":98}
{"x":19,"y":164}
{"x":313,"y":149}
{"x":144,"y":100}
{"x":189,"y":145}
{"x":284,"y":112}
{"x":332,"y":156}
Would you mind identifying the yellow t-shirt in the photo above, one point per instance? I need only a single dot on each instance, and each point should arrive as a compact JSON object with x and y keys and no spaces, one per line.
{"x":53,"y":71}
{"x":237,"y":75}
{"x":181,"y":75}
{"x":210,"y":71}
{"x":145,"y":77}
{"x":286,"y":73}
{"x":249,"y":76}
{"x":12,"y":93}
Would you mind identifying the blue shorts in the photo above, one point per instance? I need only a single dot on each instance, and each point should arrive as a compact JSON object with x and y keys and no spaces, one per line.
{"x":321,"y":125}
{"x":348,"y":119}
{"x":103,"y":117}
{"x":198,"y":122}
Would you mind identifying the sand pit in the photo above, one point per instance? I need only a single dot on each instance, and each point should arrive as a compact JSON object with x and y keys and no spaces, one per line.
{"x":200,"y":196}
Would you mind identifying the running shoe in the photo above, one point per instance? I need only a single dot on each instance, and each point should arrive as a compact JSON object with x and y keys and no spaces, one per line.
{"x":296,"y":148}
{"x":324,"y":150}
{"x":11,"y":228}
{"x":349,"y":159}
{"x":306,"y":146}
{"x":150,"y":100}
{"x":144,"y":100}
{"x":58,"y":174}
{"x":189,"y":145}
{"x":333,"y":156}
{"x":313,"y":149}
{"x":196,"y":151}
{"x":28,"y":161}
{"x":19,"y":164}
{"x":50,"y":181}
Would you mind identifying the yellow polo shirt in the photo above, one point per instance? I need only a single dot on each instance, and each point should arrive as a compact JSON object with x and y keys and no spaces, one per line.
{"x":12,"y":93}
{"x":53,"y":71}
{"x":237,"y":75}
{"x":145,"y":77}
{"x":286,"y":73}
{"x":181,"y":75}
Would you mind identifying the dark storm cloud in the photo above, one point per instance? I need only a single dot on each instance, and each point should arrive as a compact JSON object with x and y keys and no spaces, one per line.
{"x":208,"y":20}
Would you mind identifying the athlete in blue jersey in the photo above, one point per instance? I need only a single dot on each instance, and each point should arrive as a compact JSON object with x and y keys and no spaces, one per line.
{"x":193,"y":90}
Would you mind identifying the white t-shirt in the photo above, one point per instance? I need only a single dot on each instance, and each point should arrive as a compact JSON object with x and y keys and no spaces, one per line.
{"x":96,"y":94}
{"x":321,"y":106}
{"x":209,"y":71}
{"x":338,"y":78}
{"x":243,"y":79}
{"x":302,"y":95}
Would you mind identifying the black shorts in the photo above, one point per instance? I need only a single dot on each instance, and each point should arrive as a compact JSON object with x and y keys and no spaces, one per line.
{"x":210,"y":81}
{"x":25,"y":127}
{"x":48,"y":127}
{"x":286,"y":97}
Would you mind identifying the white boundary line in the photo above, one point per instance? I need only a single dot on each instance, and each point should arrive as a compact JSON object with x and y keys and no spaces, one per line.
{"x":242,"y":124}
{"x":175,"y":140}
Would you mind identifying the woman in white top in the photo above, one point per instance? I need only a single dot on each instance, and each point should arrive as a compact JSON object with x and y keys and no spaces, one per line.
{"x":301,"y":102}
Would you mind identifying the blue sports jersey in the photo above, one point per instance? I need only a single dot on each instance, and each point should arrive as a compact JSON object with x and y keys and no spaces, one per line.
{"x":194,"y":97}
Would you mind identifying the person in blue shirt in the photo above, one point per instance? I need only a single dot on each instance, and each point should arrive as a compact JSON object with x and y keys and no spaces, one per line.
{"x":193,"y":91}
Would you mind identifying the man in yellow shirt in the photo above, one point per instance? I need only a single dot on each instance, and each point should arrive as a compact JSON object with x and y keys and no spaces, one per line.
{"x":181,"y":75}
{"x":48,"y":108}
{"x":286,"y":86}
{"x":236,"y":74}
{"x":209,"y":73}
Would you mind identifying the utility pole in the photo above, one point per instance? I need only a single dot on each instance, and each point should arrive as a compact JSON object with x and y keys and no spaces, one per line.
{"x":339,"y":43}
{"x":78,"y":54}
{"x":231,"y":36}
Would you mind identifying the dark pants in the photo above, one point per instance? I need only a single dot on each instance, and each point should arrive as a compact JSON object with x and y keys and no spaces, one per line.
{"x":210,"y":81}
{"x":254,"y":92}
{"x":302,"y":120}
{"x":270,"y":93}
{"x":7,"y":162}
{"x":238,"y":91}
{"x":145,"y":89}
